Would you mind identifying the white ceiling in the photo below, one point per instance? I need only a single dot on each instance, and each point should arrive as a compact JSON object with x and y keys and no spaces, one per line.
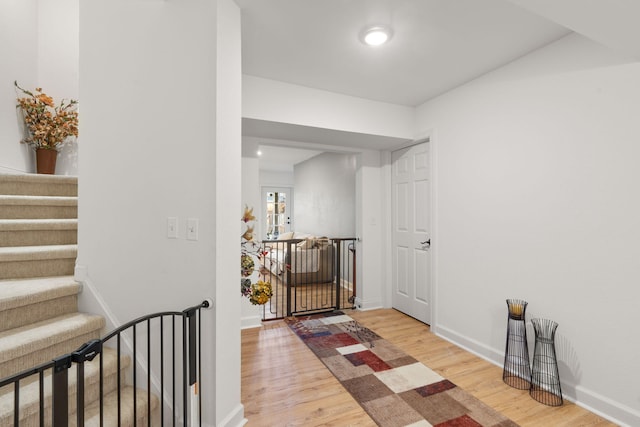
{"x":437,"y":44}
{"x":282,"y":159}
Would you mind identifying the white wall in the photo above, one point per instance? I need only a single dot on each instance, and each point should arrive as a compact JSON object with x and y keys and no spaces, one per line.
{"x":228,"y":169}
{"x":47,"y":58}
{"x":58,"y":47}
{"x":275,"y":179}
{"x":370,"y":217}
{"x":325,"y":189}
{"x":58,"y":50}
{"x":160,"y":147}
{"x":537,"y":181}
{"x":275,"y":101}
{"x":19,"y":56}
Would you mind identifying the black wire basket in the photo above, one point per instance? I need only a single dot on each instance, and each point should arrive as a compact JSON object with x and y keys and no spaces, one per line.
{"x":545,"y":378}
{"x":517,"y":370}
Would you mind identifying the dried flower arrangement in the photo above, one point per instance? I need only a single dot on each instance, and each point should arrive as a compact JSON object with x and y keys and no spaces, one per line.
{"x":48,"y":125}
{"x":260,"y":292}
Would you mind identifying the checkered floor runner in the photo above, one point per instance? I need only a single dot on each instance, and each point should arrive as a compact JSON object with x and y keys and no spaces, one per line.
{"x":393,"y":388}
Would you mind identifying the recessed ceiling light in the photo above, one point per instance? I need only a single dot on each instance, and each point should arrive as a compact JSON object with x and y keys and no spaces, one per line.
{"x":376,"y":35}
{"x":259,"y":153}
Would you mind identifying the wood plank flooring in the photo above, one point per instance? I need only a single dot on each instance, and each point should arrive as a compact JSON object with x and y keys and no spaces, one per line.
{"x":284,"y":383}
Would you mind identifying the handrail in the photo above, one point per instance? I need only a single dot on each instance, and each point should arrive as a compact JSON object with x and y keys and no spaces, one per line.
{"x":191,"y":371}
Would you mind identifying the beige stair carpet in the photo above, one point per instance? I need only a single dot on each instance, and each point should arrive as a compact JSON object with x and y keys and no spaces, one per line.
{"x":32,"y":232}
{"x":33,"y":300}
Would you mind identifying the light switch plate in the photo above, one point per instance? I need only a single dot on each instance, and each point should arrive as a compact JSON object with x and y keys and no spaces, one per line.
{"x":172,"y":227}
{"x":192,"y":229}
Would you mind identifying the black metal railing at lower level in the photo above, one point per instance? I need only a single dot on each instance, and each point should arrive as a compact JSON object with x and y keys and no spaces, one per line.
{"x":164,"y":388}
{"x":308,"y":275}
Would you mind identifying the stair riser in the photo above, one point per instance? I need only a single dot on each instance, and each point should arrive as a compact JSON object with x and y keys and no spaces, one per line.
{"x":38,"y":237}
{"x":37,"y":189}
{"x":37,"y":268}
{"x":29,"y":360}
{"x":21,"y":316}
{"x":110,"y":409}
{"x":38,"y":212}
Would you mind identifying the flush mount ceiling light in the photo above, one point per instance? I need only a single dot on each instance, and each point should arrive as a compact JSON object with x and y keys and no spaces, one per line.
{"x":376,"y":35}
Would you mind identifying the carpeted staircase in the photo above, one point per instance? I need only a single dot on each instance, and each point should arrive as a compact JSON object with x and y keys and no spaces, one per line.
{"x":39,"y":318}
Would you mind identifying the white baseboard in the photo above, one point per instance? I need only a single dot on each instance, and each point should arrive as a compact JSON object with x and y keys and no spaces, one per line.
{"x":367,"y":305}
{"x":587,"y":399}
{"x":250,"y":322}
{"x":485,"y":352}
{"x":235,"y":418}
{"x":10,"y":171}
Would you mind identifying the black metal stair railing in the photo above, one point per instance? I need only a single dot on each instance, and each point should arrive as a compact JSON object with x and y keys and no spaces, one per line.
{"x":176,"y":388}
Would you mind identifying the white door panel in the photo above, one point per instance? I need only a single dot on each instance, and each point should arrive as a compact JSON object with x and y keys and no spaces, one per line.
{"x":411,"y":222}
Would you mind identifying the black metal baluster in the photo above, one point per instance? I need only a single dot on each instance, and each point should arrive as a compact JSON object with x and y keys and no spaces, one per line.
{"x":41,"y":391}
{"x":16,"y":403}
{"x":80,"y":394}
{"x":184,"y":370}
{"x":173,"y":346}
{"x":288,"y":284}
{"x":149,"y":372}
{"x":119,"y":383}
{"x":161,"y":370}
{"x":101,"y":391}
{"x":338,"y":269}
{"x":135,"y":379}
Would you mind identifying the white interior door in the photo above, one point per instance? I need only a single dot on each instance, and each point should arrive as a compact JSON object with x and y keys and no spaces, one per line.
{"x":411,"y":205}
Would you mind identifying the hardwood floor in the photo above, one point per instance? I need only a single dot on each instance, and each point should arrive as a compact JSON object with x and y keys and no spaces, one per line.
{"x":284,"y":383}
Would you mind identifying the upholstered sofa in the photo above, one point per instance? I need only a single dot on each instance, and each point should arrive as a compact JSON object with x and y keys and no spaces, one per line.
{"x":300,"y":258}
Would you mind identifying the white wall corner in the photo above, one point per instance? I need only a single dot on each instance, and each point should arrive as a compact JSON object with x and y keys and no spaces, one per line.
{"x":91,"y":301}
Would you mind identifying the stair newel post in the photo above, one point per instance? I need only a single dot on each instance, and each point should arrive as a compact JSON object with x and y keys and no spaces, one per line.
{"x":60,"y":399}
{"x":205,"y":304}
{"x":191,"y":388}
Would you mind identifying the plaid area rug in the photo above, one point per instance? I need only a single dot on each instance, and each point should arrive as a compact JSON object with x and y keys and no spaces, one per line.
{"x":393,"y":388}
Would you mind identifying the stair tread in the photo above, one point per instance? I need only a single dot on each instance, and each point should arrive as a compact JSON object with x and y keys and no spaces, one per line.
{"x":21,"y":292}
{"x":32,"y":253}
{"x":38,"y":224}
{"x":40,"y":178}
{"x":30,"y":393}
{"x":26,"y":339}
{"x":38,"y":200}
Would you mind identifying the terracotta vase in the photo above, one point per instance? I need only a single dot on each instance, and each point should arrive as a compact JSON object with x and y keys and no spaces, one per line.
{"x":46,"y":161}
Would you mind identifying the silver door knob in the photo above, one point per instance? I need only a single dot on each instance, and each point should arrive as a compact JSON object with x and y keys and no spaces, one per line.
{"x":426,"y":243}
